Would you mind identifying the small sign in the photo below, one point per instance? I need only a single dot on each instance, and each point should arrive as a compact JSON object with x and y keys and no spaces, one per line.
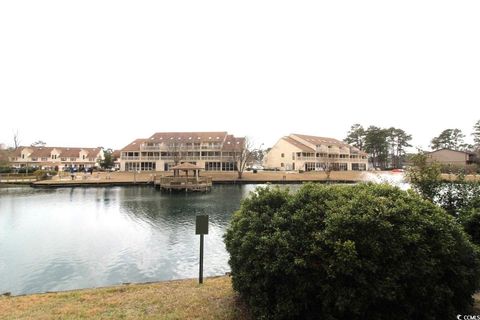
{"x":201,"y":224}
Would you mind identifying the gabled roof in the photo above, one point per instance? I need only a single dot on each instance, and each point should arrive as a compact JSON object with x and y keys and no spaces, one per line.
{"x":459,"y":151}
{"x":134,"y":146}
{"x":43,"y":152}
{"x":327,"y":142}
{"x":116,"y":154}
{"x":228,"y":141}
{"x":18,"y":152}
{"x":70,"y":152}
{"x":188,"y":136}
{"x":232,"y":143}
{"x":186,"y":166}
{"x":298,"y":144}
{"x":321,"y":140}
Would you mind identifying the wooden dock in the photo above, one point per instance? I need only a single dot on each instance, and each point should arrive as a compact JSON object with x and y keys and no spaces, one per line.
{"x":186,"y":184}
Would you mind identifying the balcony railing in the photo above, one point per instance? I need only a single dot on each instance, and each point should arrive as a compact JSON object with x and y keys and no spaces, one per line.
{"x":179,"y":148}
{"x":150,"y":148}
{"x":189,"y":158}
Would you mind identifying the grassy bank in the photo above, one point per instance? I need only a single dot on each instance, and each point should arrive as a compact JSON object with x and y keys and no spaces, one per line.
{"x":184,"y":299}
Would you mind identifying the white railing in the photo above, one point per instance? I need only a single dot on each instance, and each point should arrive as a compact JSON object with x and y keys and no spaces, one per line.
{"x":178,"y":148}
{"x":150,"y":148}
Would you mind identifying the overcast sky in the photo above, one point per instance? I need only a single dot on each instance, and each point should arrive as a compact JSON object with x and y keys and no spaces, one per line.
{"x":103,"y":73}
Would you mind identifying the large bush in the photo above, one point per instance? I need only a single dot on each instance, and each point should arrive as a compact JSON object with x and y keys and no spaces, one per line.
{"x":5,"y":169}
{"x":350,"y":252}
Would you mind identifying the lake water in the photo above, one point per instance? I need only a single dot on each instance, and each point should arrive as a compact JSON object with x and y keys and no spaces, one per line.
{"x":70,"y":238}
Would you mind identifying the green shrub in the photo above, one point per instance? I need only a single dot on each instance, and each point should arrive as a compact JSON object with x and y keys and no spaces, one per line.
{"x":350,"y":252}
{"x":44,"y":174}
{"x":26,"y":170}
{"x":424,"y":176}
{"x":5,"y":169}
{"x":459,"y":169}
{"x":470,"y":221}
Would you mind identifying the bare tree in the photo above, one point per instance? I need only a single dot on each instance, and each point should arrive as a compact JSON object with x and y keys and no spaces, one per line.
{"x":16,"y":140}
{"x":175,"y":152}
{"x":326,"y":165}
{"x":243,"y":154}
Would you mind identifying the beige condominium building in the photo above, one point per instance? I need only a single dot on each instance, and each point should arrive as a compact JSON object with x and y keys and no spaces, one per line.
{"x":308,"y":153}
{"x":214,"y":151}
{"x":452,"y":157}
{"x":56,"y":157}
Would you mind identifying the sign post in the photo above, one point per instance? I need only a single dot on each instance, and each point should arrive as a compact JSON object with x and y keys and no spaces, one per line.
{"x":201,"y":228}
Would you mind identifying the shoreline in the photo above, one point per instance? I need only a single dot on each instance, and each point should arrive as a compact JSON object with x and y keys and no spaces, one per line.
{"x":172,"y":299}
{"x":115,"y":179}
{"x":104,"y":179}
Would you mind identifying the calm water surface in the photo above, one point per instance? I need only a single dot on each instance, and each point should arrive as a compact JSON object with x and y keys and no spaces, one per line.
{"x":73,"y":238}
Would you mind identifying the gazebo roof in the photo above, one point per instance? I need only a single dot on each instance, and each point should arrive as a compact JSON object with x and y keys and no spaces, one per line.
{"x":186,"y":166}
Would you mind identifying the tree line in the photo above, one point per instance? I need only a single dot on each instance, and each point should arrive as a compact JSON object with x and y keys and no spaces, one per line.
{"x":387,"y":146}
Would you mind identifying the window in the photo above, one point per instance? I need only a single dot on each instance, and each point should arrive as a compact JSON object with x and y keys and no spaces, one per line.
{"x":147,"y":166}
{"x":212,"y":166}
{"x":229,"y":166}
{"x":293,"y":155}
{"x":359,"y":166}
{"x":310,"y":166}
{"x":282,"y":164}
{"x":282,"y":155}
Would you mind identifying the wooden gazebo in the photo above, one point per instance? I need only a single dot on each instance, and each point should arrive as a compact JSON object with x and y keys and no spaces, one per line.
{"x":186,"y":177}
